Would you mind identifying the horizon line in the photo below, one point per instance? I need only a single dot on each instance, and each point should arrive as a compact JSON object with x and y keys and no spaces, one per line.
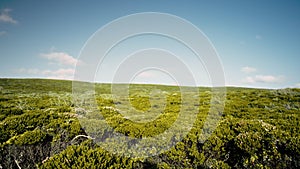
{"x":145,"y":83}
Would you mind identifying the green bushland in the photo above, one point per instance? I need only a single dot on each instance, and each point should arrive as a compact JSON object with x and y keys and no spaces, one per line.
{"x":39,"y":127}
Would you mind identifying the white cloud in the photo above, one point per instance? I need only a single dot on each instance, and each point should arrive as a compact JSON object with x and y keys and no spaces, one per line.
{"x":248,"y":69}
{"x":263,"y":79}
{"x":61,"y":58}
{"x":5,"y":17}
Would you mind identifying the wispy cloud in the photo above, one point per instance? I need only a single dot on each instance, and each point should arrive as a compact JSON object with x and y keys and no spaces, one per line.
{"x":5,"y":17}
{"x":60,"y":73}
{"x":51,"y":74}
{"x":29,"y":71}
{"x":146,"y":74}
{"x":2,"y":33}
{"x":269,"y":79}
{"x":60,"y":58}
{"x":258,"y":37}
{"x":64,"y":61}
{"x":248,"y":69}
{"x":242,"y":42}
{"x":263,"y":79}
{"x":297,"y":85}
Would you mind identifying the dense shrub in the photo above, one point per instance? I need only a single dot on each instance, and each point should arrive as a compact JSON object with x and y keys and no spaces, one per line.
{"x":40,"y":126}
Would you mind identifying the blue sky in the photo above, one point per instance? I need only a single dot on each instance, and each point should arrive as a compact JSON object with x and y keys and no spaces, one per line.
{"x":257,"y":41}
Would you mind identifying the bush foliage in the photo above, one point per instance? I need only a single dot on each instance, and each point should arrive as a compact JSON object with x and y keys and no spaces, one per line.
{"x":40,"y":127}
